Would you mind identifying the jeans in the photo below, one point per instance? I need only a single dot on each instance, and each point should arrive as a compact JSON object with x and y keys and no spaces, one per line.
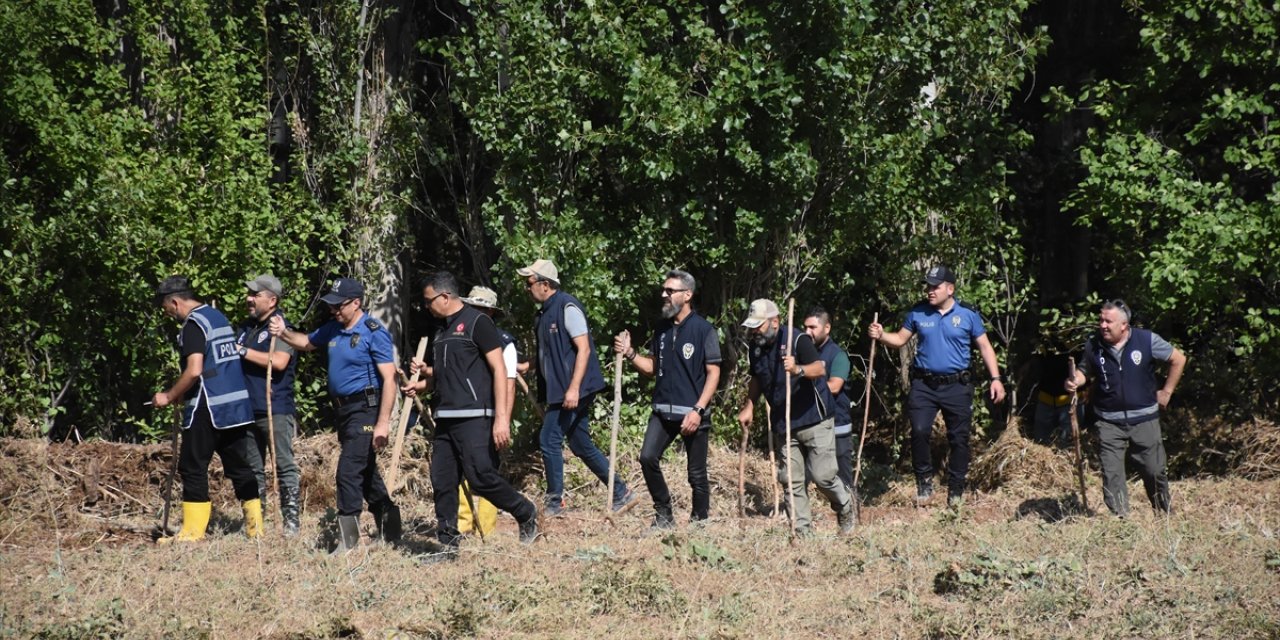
{"x":562,"y":424}
{"x":813,"y":448}
{"x":1144,"y":446}
{"x":286,"y":469}
{"x":955,"y":400}
{"x":463,"y":448}
{"x":358,"y":480}
{"x":199,"y":443}
{"x":657,"y":437}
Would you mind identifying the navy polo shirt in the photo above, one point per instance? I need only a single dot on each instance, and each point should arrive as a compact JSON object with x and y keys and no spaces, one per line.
{"x":945,"y":338}
{"x":354,"y":354}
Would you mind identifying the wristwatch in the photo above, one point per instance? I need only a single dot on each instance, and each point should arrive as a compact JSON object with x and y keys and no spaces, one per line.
{"x":999,"y":379}
{"x":702,"y":411}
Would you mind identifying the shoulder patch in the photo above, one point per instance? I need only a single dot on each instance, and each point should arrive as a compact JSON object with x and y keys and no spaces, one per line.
{"x":372,"y":324}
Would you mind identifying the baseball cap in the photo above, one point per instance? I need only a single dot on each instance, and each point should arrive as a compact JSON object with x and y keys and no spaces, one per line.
{"x":761,"y":310}
{"x":343,"y":290}
{"x":483,"y":297}
{"x":939,"y":274}
{"x":172,"y":285}
{"x":543,"y":269}
{"x":265,"y":282}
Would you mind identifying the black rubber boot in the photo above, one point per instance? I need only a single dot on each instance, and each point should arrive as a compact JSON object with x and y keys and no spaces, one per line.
{"x":390,"y":526}
{"x":289,"y":510}
{"x":348,"y":534}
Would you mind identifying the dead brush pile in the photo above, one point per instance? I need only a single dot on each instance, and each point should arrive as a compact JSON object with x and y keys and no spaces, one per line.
{"x":1013,"y":461}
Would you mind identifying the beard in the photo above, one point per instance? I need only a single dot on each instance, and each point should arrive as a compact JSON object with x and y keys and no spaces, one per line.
{"x":670,"y":310}
{"x":765,"y":338}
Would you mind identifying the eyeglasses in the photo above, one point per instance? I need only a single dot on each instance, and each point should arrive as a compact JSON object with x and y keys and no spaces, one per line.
{"x":668,"y":291}
{"x":529,"y":284}
{"x":426,"y":302}
{"x":334,"y":308}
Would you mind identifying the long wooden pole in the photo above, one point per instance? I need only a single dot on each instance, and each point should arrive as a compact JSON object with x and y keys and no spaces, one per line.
{"x":791,"y":494}
{"x":1075,"y":436}
{"x":271,"y":423}
{"x":742,"y":472}
{"x":773,"y":461}
{"x":394,"y":471}
{"x":173,"y":470}
{"x":866,"y":416}
{"x":613,"y":438}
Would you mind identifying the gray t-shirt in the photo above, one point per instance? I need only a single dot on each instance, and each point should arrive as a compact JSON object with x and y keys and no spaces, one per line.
{"x":574,"y":322}
{"x":1160,"y":348}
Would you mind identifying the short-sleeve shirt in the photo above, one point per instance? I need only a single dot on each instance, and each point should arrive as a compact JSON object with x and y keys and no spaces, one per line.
{"x":945,"y":338}
{"x":192,"y":343}
{"x":840,"y":367}
{"x":353,"y":354}
{"x":1160,"y":348}
{"x":575,"y":322}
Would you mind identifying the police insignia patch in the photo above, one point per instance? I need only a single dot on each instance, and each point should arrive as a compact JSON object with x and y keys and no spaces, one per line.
{"x":955,"y":321}
{"x":1136,"y":357}
{"x":355,"y":340}
{"x":687,"y":350}
{"x":262,"y":337}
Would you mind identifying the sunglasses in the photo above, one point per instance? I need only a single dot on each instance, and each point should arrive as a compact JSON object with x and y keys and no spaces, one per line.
{"x":338,"y":307}
{"x":668,"y":291}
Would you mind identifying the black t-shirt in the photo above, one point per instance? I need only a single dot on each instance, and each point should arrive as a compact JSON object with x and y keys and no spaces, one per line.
{"x":485,"y":335}
{"x":192,"y":343}
{"x":806,"y":352}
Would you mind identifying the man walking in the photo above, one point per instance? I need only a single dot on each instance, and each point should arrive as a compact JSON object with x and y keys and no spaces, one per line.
{"x":940,"y":378}
{"x":1120,"y":365}
{"x":812,"y":444}
{"x":362,"y":386}
{"x":685,"y":361}
{"x":216,"y":410}
{"x":472,"y":413}
{"x":569,"y":377}
{"x":254,"y":340}
{"x":818,"y":325}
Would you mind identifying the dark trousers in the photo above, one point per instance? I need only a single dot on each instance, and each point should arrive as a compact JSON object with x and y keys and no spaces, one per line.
{"x":657,"y":437}
{"x":1144,"y":447}
{"x":358,"y":480}
{"x":844,"y":459}
{"x":199,"y":443}
{"x":955,"y":401}
{"x":463,"y":448}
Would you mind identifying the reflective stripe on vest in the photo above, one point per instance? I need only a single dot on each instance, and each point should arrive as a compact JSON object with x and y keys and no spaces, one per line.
{"x":222,"y":380}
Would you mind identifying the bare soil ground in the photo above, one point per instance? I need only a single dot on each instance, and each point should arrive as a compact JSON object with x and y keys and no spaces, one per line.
{"x":1018,"y":560}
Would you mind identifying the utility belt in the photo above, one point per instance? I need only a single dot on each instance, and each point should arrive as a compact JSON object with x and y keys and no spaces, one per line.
{"x":370,"y":397}
{"x":935,"y":380}
{"x":1054,"y":401}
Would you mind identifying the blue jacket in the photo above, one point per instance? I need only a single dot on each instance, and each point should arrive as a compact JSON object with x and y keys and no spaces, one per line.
{"x":222,"y":381}
{"x":680,"y":366}
{"x":810,"y":398}
{"x":556,"y":352}
{"x":1124,"y":385}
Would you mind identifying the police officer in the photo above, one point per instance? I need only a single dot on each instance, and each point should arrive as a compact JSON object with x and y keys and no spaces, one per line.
{"x":818,"y":325}
{"x":569,"y":378}
{"x":940,"y":378}
{"x":812,"y":444}
{"x":1119,"y":367}
{"x":217,"y":409}
{"x":685,"y":361}
{"x":472,"y":413}
{"x":362,"y":386}
{"x":263,"y":301}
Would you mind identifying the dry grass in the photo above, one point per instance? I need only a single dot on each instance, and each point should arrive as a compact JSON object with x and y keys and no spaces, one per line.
{"x":1013,"y":562}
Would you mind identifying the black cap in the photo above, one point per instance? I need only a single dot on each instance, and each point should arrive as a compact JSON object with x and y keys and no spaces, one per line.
{"x":173,"y":285}
{"x":939,"y":274}
{"x":343,"y":289}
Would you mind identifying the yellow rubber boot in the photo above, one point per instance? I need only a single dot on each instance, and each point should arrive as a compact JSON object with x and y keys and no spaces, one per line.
{"x":252,"y":517}
{"x":483,"y":522}
{"x":195,"y":519}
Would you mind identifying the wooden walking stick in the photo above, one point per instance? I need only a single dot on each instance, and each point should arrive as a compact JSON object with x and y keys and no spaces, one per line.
{"x":394,"y":471}
{"x":173,"y":470}
{"x":613,"y":439}
{"x":742,"y":472}
{"x":866,"y":415}
{"x":791,"y":494}
{"x":533,"y":402}
{"x":271,"y":423}
{"x":1075,"y":436}
{"x":773,"y":461}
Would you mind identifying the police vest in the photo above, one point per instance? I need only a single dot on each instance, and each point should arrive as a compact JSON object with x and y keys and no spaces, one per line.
{"x":463,"y":379}
{"x":810,"y":399}
{"x":222,"y":381}
{"x":1124,"y":384}
{"x":556,"y":353}
{"x":680,"y":366}
{"x":254,"y":336}
{"x":840,"y":402}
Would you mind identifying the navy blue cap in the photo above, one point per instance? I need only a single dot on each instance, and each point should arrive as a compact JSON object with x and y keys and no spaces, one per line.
{"x":939,"y":274}
{"x":343,"y":289}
